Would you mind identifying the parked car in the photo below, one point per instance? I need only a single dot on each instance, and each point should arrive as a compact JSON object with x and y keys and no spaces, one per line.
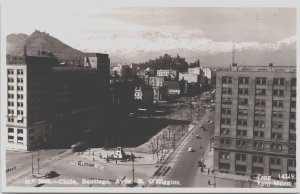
{"x":51,"y":174}
{"x":190,"y":149}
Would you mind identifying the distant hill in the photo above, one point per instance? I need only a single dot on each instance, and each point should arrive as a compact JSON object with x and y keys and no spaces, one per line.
{"x":40,"y":41}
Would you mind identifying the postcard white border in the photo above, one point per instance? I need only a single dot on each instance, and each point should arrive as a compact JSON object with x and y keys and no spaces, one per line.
{"x":145,"y":3}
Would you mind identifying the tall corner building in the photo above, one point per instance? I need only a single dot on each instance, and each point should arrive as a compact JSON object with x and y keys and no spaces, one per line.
{"x":255,"y":121}
{"x":28,"y":112}
{"x":43,"y":96}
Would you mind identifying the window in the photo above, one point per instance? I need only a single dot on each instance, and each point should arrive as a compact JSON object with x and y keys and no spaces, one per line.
{"x":294,"y":82}
{"x":10,"y":87}
{"x":276,"y":136}
{"x":259,"y":134}
{"x":10,"y":119}
{"x":20,"y":138}
{"x":242,"y":122}
{"x":20,"y":71}
{"x":225,"y":131}
{"x":225,"y":121}
{"x":10,"y":71}
{"x":291,"y":163}
{"x":240,"y":157}
{"x":10,"y":103}
{"x":227,"y":101}
{"x":277,"y":103}
{"x":10,"y":111}
{"x":240,"y":132}
{"x":9,"y":80}
{"x":243,"y":101}
{"x":293,"y":104}
{"x":224,"y":155}
{"x":226,"y":111}
{"x":276,"y":146}
{"x":20,"y":80}
{"x":11,"y":138}
{"x":277,"y":125}
{"x":292,"y":149}
{"x":261,"y":80}
{"x":260,"y":102}
{"x":10,"y":96}
{"x":242,"y":112}
{"x":293,"y":93}
{"x":278,"y":81}
{"x":20,"y":104}
{"x":20,"y":96}
{"x":277,"y":114}
{"x":259,"y":123}
{"x":20,"y":88}
{"x":243,"y":91}
{"x":257,"y":170}
{"x":293,"y":115}
{"x":260,"y":92}
{"x":20,"y":131}
{"x":240,"y":168}
{"x":243,"y":80}
{"x":225,"y":141}
{"x":257,"y":159}
{"x":241,"y":142}
{"x":10,"y":130}
{"x":19,"y":112}
{"x":292,"y":137}
{"x":292,"y":126}
{"x":278,"y":92}
{"x":227,"y":91}
{"x":260,"y":113}
{"x":258,"y":144}
{"x":227,"y":80}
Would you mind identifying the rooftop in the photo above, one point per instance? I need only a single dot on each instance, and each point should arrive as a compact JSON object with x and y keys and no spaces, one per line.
{"x":269,"y":68}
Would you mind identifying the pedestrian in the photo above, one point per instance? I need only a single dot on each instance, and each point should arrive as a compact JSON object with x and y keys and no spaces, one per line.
{"x":116,"y":161}
{"x":208,"y":171}
{"x":202,"y":169}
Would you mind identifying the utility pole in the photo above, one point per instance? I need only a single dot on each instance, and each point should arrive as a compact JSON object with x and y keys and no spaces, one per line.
{"x":38,"y":161}
{"x":132,"y":160}
{"x":32,"y":165}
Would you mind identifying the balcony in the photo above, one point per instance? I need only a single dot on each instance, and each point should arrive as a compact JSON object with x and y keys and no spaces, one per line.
{"x":224,"y":161}
{"x":275,"y":166}
{"x":240,"y":162}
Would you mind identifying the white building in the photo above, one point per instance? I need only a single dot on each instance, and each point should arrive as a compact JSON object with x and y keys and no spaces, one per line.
{"x":189,"y":77}
{"x":194,"y":70}
{"x":167,"y":73}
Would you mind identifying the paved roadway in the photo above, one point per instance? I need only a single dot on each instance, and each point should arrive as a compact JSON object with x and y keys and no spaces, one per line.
{"x":23,"y":161}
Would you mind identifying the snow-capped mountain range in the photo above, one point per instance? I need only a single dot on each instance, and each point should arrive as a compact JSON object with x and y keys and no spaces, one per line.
{"x":134,"y":47}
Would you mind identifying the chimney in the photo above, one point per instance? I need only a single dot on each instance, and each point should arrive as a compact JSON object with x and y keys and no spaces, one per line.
{"x":25,"y":51}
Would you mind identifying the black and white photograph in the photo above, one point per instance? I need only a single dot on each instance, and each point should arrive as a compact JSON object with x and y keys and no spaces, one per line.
{"x":140,"y":96}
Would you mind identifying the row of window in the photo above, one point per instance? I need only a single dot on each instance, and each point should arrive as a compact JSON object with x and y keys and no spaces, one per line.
{"x":11,"y":103}
{"x":19,"y":96}
{"x":12,"y":119}
{"x":258,"y":81}
{"x":258,"y":102}
{"x":11,"y":111}
{"x":19,"y":80}
{"x":19,"y":88}
{"x":256,"y":159}
{"x":256,"y":144}
{"x":12,"y":130}
{"x":258,"y":92}
{"x":11,"y":71}
{"x":257,"y":113}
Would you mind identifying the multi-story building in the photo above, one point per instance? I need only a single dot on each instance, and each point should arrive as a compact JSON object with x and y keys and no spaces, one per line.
{"x":157,"y":83}
{"x":255,"y":121}
{"x":39,"y":91}
{"x":28,"y":117}
{"x":172,"y":73}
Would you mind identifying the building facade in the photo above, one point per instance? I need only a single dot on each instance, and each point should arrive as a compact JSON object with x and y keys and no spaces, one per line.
{"x":28,"y":116}
{"x":40,"y":91}
{"x":255,"y":121}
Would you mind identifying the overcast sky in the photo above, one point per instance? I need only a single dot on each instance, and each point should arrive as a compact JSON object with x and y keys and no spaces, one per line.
{"x":81,"y":20}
